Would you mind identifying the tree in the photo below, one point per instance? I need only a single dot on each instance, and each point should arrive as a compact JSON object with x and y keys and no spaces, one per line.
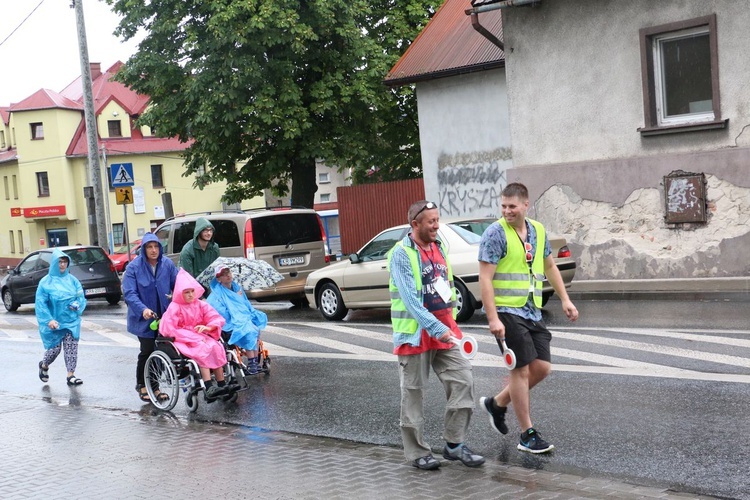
{"x":273,"y":85}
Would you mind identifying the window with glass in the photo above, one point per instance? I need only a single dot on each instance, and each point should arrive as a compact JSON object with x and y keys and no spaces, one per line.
{"x":2,"y":138}
{"x":117,"y":234}
{"x":157,"y":180}
{"x":7,"y":187}
{"x":20,"y":241}
{"x":12,"y":242}
{"x":42,"y":184}
{"x":324,"y":177}
{"x":37,"y":131}
{"x":680,"y":76}
{"x":15,"y":187}
{"x":325,"y":197}
{"x":114,"y":128}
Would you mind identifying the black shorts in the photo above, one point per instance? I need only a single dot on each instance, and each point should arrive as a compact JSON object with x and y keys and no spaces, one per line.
{"x":529,"y":340}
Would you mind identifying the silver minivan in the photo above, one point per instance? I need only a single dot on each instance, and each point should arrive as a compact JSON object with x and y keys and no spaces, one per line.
{"x":291,"y":239}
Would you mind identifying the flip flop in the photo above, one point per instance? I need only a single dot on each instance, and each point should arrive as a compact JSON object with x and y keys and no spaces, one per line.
{"x":43,"y":373}
{"x":73,"y":380}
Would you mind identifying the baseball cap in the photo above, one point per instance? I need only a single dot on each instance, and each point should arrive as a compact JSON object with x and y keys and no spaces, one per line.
{"x":220,"y":269}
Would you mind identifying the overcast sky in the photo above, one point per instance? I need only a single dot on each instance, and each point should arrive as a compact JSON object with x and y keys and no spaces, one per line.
{"x":43,"y":51}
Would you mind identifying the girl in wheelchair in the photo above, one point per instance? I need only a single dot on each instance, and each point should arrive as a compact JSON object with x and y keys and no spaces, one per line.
{"x":196,"y":329}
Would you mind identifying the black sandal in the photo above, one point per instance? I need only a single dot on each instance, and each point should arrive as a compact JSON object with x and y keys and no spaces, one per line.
{"x":142,"y":393}
{"x":161,"y":396}
{"x":43,"y":373}
{"x":73,"y":380}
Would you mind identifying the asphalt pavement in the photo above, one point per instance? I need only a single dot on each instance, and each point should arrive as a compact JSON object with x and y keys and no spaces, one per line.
{"x":56,"y":447}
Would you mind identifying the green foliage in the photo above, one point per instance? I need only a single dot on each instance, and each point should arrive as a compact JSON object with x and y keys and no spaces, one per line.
{"x":275,"y":84}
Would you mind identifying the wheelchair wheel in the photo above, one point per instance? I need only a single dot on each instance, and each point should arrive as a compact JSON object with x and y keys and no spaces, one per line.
{"x":191,"y":400}
{"x":161,"y":374}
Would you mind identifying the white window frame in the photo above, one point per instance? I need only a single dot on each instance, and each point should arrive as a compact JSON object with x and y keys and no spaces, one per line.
{"x":659,"y":90}
{"x":324,"y":178}
{"x":325,"y":197}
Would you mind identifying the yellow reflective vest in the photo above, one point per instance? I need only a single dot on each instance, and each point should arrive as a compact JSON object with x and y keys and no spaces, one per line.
{"x":514,"y":279}
{"x":401,"y":320}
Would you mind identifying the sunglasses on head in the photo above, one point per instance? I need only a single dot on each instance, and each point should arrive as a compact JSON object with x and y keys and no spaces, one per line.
{"x":529,"y":255}
{"x":427,"y":206}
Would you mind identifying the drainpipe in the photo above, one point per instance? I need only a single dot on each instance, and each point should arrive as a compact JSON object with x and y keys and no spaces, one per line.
{"x":475,"y":11}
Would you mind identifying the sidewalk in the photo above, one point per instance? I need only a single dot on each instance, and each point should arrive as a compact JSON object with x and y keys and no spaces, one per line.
{"x":734,"y":288}
{"x":59,"y":449}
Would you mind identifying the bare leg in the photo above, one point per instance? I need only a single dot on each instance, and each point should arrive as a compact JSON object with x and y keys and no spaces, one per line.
{"x":219,"y":373}
{"x":522,"y":380}
{"x":205,"y":373}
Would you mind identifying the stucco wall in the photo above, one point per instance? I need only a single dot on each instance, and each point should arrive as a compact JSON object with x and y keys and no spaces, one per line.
{"x":465,"y":138}
{"x":575,"y":95}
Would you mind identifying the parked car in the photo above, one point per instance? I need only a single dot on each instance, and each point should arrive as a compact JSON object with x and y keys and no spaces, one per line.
{"x":291,"y":239}
{"x":362,"y":281}
{"x":90,"y":264}
{"x":564,"y":260}
{"x":120,"y":256}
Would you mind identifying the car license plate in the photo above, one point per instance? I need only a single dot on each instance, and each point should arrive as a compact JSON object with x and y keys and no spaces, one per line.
{"x":95,"y":291}
{"x":291,"y":261}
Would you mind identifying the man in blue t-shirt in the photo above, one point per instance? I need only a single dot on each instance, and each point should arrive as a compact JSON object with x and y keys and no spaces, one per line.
{"x":514,"y":257}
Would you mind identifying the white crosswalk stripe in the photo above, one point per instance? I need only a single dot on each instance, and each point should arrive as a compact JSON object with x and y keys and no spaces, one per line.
{"x":643,"y":354}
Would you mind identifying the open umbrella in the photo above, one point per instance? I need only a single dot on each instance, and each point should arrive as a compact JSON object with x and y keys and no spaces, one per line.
{"x":249,"y":274}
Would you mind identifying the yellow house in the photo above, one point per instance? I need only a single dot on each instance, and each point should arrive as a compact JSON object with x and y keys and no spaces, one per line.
{"x":43,"y":166}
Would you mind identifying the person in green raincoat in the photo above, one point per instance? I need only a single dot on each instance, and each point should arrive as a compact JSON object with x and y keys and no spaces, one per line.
{"x":201,"y":251}
{"x":59,"y":303}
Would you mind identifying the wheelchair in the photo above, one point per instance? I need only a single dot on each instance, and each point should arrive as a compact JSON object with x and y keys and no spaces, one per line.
{"x":171,"y":373}
{"x":262,"y":359}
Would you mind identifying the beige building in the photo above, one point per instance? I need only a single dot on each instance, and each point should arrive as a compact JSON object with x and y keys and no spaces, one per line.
{"x":43,"y":167}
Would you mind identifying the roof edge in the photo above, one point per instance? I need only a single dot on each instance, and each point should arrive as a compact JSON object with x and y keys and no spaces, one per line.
{"x":397,"y":82}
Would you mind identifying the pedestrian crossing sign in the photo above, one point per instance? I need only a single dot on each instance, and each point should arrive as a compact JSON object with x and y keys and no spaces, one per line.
{"x":124,"y":195}
{"x":122,"y":174}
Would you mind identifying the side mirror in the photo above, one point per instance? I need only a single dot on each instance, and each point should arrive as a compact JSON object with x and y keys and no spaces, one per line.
{"x":354,"y":258}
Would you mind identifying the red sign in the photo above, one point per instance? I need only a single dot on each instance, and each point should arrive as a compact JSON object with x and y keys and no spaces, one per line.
{"x":34,"y":212}
{"x":16,"y":211}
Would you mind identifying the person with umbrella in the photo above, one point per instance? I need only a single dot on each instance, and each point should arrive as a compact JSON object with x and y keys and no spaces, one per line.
{"x":147,"y":288}
{"x":242,"y":319}
{"x":59,"y":303}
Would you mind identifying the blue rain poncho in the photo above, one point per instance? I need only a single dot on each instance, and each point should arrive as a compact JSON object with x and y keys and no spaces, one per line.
{"x":55,"y":295}
{"x":244,"y":321}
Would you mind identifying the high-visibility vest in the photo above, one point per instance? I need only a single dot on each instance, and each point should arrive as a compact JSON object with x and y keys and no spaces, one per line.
{"x":514,"y":279}
{"x":401,"y":321}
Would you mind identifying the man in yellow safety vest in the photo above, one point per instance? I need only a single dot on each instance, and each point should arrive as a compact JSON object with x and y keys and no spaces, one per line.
{"x":514,"y":257}
{"x":423,"y":300}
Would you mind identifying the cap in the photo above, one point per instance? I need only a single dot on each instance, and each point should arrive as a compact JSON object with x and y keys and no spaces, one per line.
{"x":220,"y":269}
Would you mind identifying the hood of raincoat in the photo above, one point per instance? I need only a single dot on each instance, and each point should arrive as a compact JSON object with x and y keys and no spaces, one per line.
{"x":54,"y":264}
{"x":183,"y":282}
{"x":147,"y":238}
{"x":202,"y":224}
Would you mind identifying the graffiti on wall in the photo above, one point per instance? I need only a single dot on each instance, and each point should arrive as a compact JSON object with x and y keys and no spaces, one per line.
{"x":470,"y":183}
{"x":685,"y":197}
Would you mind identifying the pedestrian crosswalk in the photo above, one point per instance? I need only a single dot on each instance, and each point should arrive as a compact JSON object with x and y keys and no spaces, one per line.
{"x":694,"y":354}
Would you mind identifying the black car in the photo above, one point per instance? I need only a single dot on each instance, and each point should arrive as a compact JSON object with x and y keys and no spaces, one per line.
{"x":90,"y":264}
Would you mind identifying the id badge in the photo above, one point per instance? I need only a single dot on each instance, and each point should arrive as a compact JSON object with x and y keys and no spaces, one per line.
{"x":443,"y":289}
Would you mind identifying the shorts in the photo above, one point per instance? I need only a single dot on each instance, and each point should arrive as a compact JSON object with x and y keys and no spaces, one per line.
{"x":529,"y":340}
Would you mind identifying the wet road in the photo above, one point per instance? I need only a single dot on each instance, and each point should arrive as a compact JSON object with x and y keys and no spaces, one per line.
{"x":644,"y":391}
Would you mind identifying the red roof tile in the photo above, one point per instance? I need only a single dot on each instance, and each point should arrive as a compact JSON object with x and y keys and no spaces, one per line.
{"x":5,"y":114}
{"x":8,"y":155}
{"x":45,"y":99}
{"x":105,"y":89}
{"x":449,"y":45}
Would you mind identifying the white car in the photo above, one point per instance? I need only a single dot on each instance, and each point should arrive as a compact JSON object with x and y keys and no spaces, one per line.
{"x":361,"y":282}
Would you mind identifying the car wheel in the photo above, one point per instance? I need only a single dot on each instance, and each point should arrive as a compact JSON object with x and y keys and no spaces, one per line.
{"x":545,"y":297}
{"x":114,"y":299}
{"x":8,"y":301}
{"x":330,"y":303}
{"x":463,"y":302}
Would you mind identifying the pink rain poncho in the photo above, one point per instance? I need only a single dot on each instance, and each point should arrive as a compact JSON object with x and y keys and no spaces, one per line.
{"x":181,"y":318}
